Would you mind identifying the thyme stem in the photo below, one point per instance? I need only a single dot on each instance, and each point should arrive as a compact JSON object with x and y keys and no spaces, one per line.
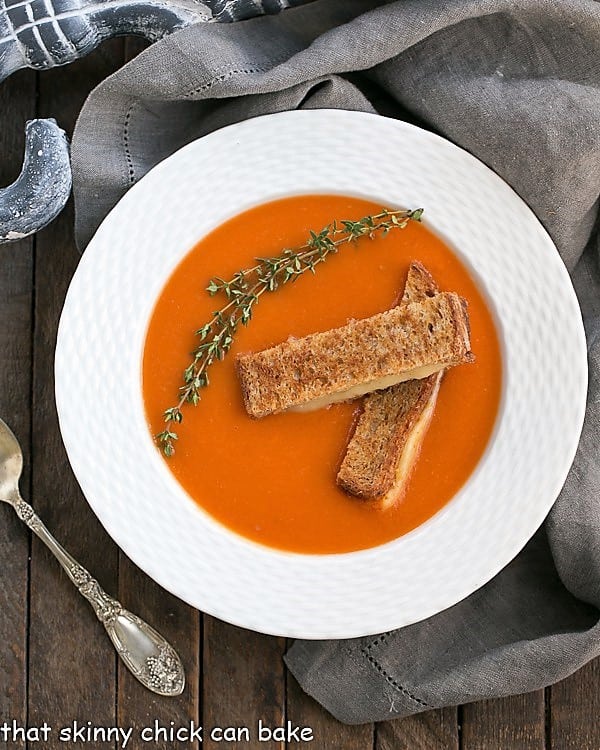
{"x":246,"y":287}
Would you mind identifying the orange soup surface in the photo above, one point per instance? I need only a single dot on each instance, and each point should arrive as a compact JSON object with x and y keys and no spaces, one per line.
{"x":273,"y":479}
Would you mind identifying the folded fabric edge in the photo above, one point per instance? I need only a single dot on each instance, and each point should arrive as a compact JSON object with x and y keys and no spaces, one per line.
{"x":353,"y":688}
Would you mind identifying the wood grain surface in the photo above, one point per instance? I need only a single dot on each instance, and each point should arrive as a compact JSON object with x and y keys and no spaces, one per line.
{"x":57,"y":664}
{"x":67,"y":645}
{"x":17,"y":104}
{"x":517,"y":722}
{"x":431,"y":730}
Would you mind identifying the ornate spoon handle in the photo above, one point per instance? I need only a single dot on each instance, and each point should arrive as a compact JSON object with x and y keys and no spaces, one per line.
{"x":144,"y":651}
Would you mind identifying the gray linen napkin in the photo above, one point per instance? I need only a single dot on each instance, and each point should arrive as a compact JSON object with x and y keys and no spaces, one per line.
{"x":517,"y":83}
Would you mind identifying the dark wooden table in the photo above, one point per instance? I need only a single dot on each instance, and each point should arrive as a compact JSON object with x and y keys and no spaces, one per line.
{"x":56,"y":665}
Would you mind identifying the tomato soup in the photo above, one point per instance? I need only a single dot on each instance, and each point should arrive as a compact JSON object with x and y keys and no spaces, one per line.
{"x":273,"y":479}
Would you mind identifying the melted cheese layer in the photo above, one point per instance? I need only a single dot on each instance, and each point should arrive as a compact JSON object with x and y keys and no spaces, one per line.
{"x":356,"y":391}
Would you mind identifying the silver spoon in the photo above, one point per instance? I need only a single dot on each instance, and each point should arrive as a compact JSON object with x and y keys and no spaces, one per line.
{"x":144,"y":651}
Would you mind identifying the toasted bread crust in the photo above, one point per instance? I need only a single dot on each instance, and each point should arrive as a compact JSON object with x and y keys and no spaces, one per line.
{"x":430,"y":334}
{"x":369,"y":468}
{"x":420,"y":284}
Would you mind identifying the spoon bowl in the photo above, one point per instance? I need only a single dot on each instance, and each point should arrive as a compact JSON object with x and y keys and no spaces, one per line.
{"x":11,"y":462}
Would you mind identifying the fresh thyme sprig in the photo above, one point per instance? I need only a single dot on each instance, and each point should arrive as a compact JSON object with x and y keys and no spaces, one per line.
{"x":246,"y":287}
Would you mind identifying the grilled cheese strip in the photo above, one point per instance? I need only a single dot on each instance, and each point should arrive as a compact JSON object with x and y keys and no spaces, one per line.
{"x":367,"y":388}
{"x":387,"y":437}
{"x":407,"y":342}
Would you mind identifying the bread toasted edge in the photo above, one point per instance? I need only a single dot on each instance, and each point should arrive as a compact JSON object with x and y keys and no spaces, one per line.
{"x":419,"y":284}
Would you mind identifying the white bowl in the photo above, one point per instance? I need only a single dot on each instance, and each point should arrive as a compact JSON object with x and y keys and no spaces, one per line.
{"x":149,"y":515}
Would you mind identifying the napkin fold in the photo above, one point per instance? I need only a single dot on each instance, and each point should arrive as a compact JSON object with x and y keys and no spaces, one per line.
{"x":516,"y":83}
